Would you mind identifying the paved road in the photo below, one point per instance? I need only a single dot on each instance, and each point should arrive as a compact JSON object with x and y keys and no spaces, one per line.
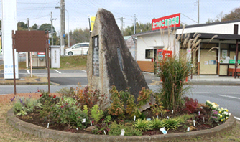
{"x":225,"y":96}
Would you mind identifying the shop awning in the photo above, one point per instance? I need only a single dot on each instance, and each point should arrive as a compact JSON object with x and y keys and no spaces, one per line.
{"x":209,"y":36}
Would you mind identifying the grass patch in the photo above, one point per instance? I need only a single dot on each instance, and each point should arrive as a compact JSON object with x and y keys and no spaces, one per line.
{"x":73,"y":62}
{"x":78,"y":62}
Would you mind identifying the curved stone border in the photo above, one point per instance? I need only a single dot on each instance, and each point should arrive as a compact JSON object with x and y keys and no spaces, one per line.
{"x":83,"y":137}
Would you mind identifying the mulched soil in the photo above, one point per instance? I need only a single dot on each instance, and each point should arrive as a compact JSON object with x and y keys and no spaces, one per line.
{"x":34,"y":118}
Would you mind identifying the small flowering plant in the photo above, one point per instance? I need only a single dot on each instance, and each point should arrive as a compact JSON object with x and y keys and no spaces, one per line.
{"x":44,"y":96}
{"x":218,"y":114}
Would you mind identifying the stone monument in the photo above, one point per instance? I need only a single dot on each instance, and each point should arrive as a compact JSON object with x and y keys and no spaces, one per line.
{"x":109,"y":60}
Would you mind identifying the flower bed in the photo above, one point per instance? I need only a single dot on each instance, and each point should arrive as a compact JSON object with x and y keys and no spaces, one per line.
{"x":78,"y":112}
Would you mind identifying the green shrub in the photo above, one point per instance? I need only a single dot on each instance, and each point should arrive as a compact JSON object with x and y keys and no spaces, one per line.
{"x":171,"y":124}
{"x":85,"y":109}
{"x":184,"y":118}
{"x":115,"y":130}
{"x":96,"y":114}
{"x":157,"y":123}
{"x":143,"y":125}
{"x":173,"y":71}
{"x":117,"y":107}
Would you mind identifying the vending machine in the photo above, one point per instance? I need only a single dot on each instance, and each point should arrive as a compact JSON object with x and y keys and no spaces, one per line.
{"x":161,"y":55}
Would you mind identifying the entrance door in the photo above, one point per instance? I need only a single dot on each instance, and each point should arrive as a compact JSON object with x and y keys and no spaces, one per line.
{"x":208,"y":61}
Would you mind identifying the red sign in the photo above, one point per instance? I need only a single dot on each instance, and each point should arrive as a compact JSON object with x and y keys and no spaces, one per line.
{"x":167,"y":53}
{"x":164,"y":22}
{"x":41,"y":53}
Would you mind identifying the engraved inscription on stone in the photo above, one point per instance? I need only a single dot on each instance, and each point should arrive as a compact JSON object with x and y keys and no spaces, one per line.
{"x":95,"y":56}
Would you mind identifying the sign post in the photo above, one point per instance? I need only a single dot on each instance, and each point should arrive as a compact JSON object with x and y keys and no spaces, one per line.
{"x":9,"y":23}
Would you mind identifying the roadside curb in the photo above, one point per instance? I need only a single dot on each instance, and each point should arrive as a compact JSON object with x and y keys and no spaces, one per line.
{"x":203,"y":82}
{"x":28,"y":83}
{"x":84,"y":137}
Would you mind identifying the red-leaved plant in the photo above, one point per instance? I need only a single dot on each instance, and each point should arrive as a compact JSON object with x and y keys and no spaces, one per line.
{"x":191,"y":105}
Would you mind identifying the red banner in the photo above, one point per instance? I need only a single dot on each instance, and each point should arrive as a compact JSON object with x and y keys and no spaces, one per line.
{"x":164,"y":22}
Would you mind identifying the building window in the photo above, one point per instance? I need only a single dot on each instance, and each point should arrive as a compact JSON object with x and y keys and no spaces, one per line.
{"x":149,"y":53}
{"x":95,"y":58}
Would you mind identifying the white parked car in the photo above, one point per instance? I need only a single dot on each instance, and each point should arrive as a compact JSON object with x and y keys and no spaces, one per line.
{"x":78,"y":49}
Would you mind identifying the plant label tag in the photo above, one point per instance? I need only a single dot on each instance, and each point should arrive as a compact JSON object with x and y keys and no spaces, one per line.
{"x":167,"y":117}
{"x":77,"y":129}
{"x":148,"y":119}
{"x":198,"y":112}
{"x":172,"y":111}
{"x":122,"y":132}
{"x":91,"y":123}
{"x":84,"y":120}
{"x":134,"y":118}
{"x":157,"y":116}
{"x":203,"y":119}
{"x":164,"y":132}
{"x":162,"y":129}
{"x":194,"y":123}
{"x":188,"y":129}
{"x":47,"y":125}
{"x":104,"y":132}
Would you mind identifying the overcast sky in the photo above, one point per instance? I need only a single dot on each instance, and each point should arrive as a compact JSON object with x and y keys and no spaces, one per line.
{"x":38,"y":11}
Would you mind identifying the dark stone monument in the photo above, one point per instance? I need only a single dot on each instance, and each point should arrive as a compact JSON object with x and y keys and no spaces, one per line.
{"x":109,"y":60}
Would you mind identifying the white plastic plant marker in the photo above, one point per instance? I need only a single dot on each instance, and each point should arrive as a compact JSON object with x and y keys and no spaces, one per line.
{"x":134,"y":118}
{"x":162,"y":129}
{"x":104,"y":132}
{"x":172,"y":111}
{"x":164,"y":132}
{"x":91,"y":123}
{"x":77,"y":129}
{"x":194,"y":123}
{"x":188,"y":129}
{"x":157,"y":116}
{"x":84,"y":120}
{"x":198,"y":112}
{"x":47,"y":125}
{"x":122,"y":132}
{"x":167,"y":117}
{"x":148,"y":119}
{"x":203,"y":119}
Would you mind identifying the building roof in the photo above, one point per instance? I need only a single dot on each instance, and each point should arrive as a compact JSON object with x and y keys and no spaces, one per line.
{"x":189,"y":26}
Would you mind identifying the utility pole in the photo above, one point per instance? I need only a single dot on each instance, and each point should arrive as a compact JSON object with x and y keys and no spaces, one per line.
{"x":122,"y":24}
{"x":51,"y":19}
{"x":134,"y":39}
{"x":51,"y":27}
{"x":62,"y":23}
{"x":198,"y":12}
{"x":134,"y":24}
{"x":28,"y":23}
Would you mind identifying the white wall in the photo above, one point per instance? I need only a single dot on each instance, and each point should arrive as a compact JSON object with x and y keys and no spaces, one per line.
{"x":155,"y":40}
{"x":227,"y":28}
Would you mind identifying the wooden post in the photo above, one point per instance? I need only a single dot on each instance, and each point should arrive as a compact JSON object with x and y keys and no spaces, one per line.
{"x":48,"y":63}
{"x":236,"y":62}
{"x":14,"y":77}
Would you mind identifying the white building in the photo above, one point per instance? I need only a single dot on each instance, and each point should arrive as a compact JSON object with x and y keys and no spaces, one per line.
{"x":214,"y":56}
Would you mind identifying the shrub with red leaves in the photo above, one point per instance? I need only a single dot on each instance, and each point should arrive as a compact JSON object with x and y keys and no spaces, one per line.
{"x":191,"y":105}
